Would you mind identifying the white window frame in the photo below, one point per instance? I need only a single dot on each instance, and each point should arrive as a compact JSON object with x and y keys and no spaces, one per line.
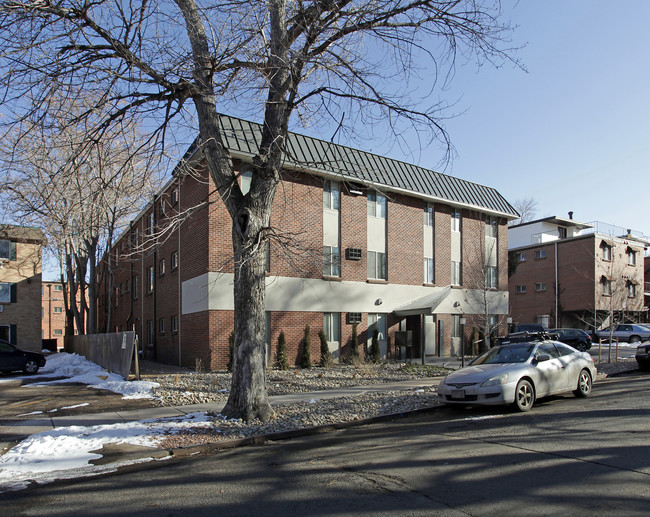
{"x":429,"y":270}
{"x":543,"y":319}
{"x":521,"y":257}
{"x":455,"y":219}
{"x":520,"y":289}
{"x":631,"y":290}
{"x":332,"y":195}
{"x":540,"y":254}
{"x":607,"y":287}
{"x":377,"y":269}
{"x":540,"y":287}
{"x":332,"y":326}
{"x":331,"y":261}
{"x":607,"y":252}
{"x":491,"y":227}
{"x":491,"y":277}
{"x":631,"y":258}
{"x":376,"y":204}
{"x":428,"y":215}
{"x":456,"y":273}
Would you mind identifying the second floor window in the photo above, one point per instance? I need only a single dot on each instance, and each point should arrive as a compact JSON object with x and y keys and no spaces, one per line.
{"x":540,"y":254}
{"x":607,"y":252}
{"x":428,"y":270}
{"x":5,"y":249}
{"x":150,"y":279}
{"x":331,"y":195}
{"x":491,"y":227}
{"x":455,"y":273}
{"x":428,"y":215}
{"x":331,"y":261}
{"x":607,"y":286}
{"x":491,"y":277}
{"x":161,"y":267}
{"x":631,"y":257}
{"x":174,"y":260}
{"x":520,"y":289}
{"x":455,"y":220}
{"x":540,"y":286}
{"x":631,"y":290}
{"x":377,"y":265}
{"x":376,"y":204}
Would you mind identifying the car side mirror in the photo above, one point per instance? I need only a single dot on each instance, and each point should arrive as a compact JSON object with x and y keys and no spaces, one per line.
{"x":542,"y":357}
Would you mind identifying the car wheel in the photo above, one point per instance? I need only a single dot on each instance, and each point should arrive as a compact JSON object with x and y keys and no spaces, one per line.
{"x":524,"y":396}
{"x":584,"y":384}
{"x":31,"y":366}
{"x":582,"y":347}
{"x":634,"y":339}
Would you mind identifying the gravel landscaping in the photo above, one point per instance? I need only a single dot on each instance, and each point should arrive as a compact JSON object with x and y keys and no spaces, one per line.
{"x":182,"y":387}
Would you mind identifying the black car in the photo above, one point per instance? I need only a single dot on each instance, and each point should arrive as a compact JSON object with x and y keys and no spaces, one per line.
{"x":12,"y":358}
{"x":643,"y":357}
{"x":578,"y":339}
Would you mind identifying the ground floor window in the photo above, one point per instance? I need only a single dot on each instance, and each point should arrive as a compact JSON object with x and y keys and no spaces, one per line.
{"x":332,"y":326}
{"x":543,"y":319}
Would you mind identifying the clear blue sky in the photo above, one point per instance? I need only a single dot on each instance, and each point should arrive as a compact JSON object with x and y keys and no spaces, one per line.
{"x":573,"y":132}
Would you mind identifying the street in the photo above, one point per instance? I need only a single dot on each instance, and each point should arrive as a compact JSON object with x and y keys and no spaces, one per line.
{"x":564,"y":456}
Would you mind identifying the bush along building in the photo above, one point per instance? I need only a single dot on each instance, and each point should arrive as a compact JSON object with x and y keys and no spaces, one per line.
{"x":565,"y":273}
{"x":20,"y":285}
{"x":358,"y":242}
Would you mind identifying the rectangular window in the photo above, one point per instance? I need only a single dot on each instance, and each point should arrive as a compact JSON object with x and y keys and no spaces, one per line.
{"x":607,"y":287}
{"x":521,"y":257}
{"x":520,"y":289}
{"x":161,"y":267}
{"x":376,"y":204}
{"x":134,"y":283}
{"x":150,"y":332}
{"x":331,"y":261}
{"x":151,"y":220}
{"x":379,"y":322}
{"x":5,"y":249}
{"x":631,"y":258}
{"x":57,"y":310}
{"x":377,"y":265}
{"x":332,"y":326}
{"x":428,"y":215}
{"x":331,"y":195}
{"x":58,"y":287}
{"x":57,"y":332}
{"x":161,"y":326}
{"x":540,"y":254}
{"x":455,"y":272}
{"x":540,"y":286}
{"x":174,"y":196}
{"x":561,"y":233}
{"x":428,"y":270}
{"x":174,"y":260}
{"x":455,"y":220}
{"x":149,"y":279}
{"x":5,"y":292}
{"x":631,"y":291}
{"x":491,"y":227}
{"x":491,"y":275}
{"x":543,"y":319}
{"x":135,"y":237}
{"x":174,"y":323}
{"x":607,"y":252}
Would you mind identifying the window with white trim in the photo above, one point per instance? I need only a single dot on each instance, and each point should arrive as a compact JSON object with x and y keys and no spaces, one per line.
{"x":331,"y":261}
{"x":543,"y":319}
{"x":607,"y":286}
{"x":521,"y":257}
{"x":332,"y":326}
{"x":376,"y":204}
{"x":491,"y":276}
{"x":149,"y":279}
{"x":540,"y":286}
{"x":376,"y":265}
{"x":428,"y":215}
{"x":455,"y":220}
{"x":331,"y":195}
{"x":540,"y":254}
{"x":428,"y":270}
{"x":455,"y":273}
{"x":491,"y":226}
{"x":631,"y":290}
{"x":607,"y":252}
{"x":520,"y":289}
{"x":631,"y":257}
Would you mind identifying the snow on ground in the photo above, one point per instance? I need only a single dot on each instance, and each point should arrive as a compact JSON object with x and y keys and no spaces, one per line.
{"x":65,"y":452}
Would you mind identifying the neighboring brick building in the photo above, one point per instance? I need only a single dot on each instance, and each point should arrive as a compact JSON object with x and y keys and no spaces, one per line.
{"x":53,"y":312}
{"x":576,"y":275}
{"x":20,"y":285}
{"x":366,"y":226}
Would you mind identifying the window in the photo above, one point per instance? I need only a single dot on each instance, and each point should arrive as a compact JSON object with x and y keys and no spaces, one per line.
{"x":174,"y":196}
{"x":58,"y":287}
{"x":376,"y":204}
{"x":57,"y":310}
{"x":246,"y":178}
{"x":161,"y":326}
{"x":161,"y":267}
{"x":561,"y":232}
{"x":631,"y":290}
{"x":332,"y":326}
{"x":331,"y":261}
{"x":135,"y":237}
{"x":543,"y":319}
{"x":520,"y":289}
{"x":57,"y":332}
{"x":607,"y":252}
{"x":174,"y":260}
{"x":428,"y":215}
{"x":149,"y":279}
{"x":173,"y":323}
{"x":540,"y":286}
{"x":150,"y":332}
{"x":379,"y":322}
{"x":491,"y":227}
{"x":491,"y":274}
{"x":540,"y":254}
{"x":5,"y":249}
{"x":331,"y":195}
{"x":455,"y":272}
{"x":607,"y":286}
{"x":377,"y":265}
{"x":6,"y":289}
{"x":134,"y":283}
{"x":455,"y":220}
{"x":631,"y":257}
{"x":428,"y":270}
{"x":353,"y":317}
{"x":162,"y":208}
{"x":521,"y":257}
{"x":151,"y":221}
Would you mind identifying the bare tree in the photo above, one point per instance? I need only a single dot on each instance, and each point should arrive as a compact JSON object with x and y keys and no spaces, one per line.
{"x":340,"y":60}
{"x":527,"y":208}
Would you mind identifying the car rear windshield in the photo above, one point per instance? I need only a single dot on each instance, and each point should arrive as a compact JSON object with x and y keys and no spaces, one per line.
{"x":506,"y":354}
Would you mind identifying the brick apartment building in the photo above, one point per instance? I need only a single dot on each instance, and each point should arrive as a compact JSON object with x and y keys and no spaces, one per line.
{"x":53,"y":312}
{"x":383,"y":244}
{"x":20,"y":285}
{"x":576,"y":275}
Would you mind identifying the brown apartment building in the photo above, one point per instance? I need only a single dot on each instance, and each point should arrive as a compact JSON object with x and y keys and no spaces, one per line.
{"x":576,"y":275}
{"x":418,"y":255}
{"x":53,"y":313}
{"x":20,"y":285}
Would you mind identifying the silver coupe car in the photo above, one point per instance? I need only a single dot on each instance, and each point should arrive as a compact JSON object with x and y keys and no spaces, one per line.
{"x":519,"y":374}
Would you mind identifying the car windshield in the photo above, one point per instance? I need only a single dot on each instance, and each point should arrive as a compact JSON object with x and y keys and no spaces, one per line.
{"x":506,"y":354}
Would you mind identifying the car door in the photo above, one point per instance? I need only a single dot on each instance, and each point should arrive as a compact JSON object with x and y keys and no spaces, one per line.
{"x":10,"y":357}
{"x":552,"y":376}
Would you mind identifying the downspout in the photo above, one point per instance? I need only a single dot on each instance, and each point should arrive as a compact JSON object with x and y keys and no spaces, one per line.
{"x":557,"y":289}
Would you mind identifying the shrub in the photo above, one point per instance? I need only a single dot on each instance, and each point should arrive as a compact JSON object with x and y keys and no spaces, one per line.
{"x":325,"y":354}
{"x":281,"y":359}
{"x":353,"y":352}
{"x":304,"y":357}
{"x":374,"y":348}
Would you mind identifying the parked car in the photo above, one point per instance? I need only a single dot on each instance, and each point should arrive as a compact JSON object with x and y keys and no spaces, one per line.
{"x":626,"y":332}
{"x":12,"y":359}
{"x":578,"y":339}
{"x":519,"y":374}
{"x":528,"y":327}
{"x":643,"y":357}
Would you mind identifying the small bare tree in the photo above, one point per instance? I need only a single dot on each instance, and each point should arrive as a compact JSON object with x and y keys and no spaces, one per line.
{"x":527,"y":208}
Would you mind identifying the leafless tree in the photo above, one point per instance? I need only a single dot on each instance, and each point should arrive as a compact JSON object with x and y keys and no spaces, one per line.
{"x":527,"y":208}
{"x":343,"y":60}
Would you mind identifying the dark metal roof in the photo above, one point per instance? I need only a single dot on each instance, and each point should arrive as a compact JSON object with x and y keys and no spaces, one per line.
{"x":329,"y":159}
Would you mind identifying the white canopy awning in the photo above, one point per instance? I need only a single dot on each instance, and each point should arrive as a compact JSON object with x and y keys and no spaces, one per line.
{"x":450,"y":300}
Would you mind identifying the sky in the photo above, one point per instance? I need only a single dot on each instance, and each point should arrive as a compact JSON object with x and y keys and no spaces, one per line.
{"x":573,"y":131}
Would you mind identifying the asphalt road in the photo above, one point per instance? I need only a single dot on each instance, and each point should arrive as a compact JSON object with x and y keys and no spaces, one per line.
{"x":566,"y":456}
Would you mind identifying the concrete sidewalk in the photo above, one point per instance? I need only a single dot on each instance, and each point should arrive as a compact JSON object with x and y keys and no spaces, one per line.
{"x":25,"y":428}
